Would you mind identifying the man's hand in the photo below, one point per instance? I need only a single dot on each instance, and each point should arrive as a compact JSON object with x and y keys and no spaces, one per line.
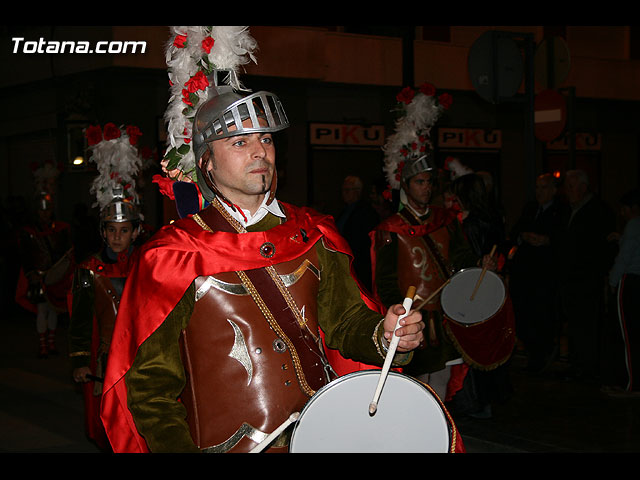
{"x":410,"y":330}
{"x":490,"y":262}
{"x":80,"y":374}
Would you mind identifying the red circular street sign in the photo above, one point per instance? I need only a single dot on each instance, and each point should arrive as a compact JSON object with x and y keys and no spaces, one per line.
{"x":550,"y":115}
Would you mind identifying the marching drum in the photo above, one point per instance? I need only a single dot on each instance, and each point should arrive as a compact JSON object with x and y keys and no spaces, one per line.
{"x":409,"y":418}
{"x":488,"y":299}
{"x":482,"y":328}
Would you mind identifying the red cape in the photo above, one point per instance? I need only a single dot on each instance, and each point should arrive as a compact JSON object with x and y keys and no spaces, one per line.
{"x":168,"y":263}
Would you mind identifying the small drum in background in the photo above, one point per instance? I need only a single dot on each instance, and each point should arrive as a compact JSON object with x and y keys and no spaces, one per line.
{"x":409,"y":418}
{"x":482,"y":329}
{"x":488,"y":300}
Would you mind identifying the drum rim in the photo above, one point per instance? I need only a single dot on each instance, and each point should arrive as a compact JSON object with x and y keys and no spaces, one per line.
{"x":448,"y":420}
{"x":468,"y":325}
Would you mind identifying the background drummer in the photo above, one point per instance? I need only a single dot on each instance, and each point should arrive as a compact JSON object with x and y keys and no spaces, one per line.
{"x":46,"y":255}
{"x":99,"y":279}
{"x":421,"y":245}
{"x":484,"y":228}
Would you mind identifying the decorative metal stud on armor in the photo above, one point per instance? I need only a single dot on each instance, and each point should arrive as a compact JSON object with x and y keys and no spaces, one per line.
{"x":279,"y":346}
{"x":267,"y":250}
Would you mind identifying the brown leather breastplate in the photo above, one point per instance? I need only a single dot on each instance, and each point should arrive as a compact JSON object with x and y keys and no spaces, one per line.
{"x":249,"y":366}
{"x":421,"y":262}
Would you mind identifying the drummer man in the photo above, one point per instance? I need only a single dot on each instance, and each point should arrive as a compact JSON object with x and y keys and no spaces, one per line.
{"x":227,"y":316}
{"x":421,"y":245}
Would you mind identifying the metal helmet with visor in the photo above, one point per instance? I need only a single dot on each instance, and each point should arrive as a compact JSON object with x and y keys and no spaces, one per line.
{"x":224,"y":112}
{"x":119,"y":210}
{"x":412,"y":168}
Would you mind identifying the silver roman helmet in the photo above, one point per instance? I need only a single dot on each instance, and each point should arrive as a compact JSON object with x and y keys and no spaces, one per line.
{"x":119,"y":210}
{"x":222,"y":116}
{"x":44,"y":201}
{"x":425,"y":163}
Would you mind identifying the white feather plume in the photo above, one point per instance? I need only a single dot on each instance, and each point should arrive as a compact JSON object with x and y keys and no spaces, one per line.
{"x":44,"y":175}
{"x":118,"y":163}
{"x":233,"y":46}
{"x":412,"y":134}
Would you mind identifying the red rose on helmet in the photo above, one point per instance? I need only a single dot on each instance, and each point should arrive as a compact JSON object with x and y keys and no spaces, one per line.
{"x":406,"y":95}
{"x":133,"y":132}
{"x":197,"y":82}
{"x":207,"y":44}
{"x":427,"y":89}
{"x":111,"y":132}
{"x":180,"y":41}
{"x":185,"y":97}
{"x":93,"y":134}
{"x":445,"y":100}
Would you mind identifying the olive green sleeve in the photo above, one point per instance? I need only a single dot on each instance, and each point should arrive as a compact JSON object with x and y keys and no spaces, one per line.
{"x":81,"y":320}
{"x":347,"y":322}
{"x":156,"y":380}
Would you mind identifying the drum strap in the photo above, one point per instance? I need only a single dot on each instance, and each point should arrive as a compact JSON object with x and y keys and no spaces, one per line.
{"x":271,"y":295}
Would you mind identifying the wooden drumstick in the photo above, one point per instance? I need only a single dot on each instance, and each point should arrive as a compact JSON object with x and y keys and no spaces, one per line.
{"x":484,"y":270}
{"x":273,"y":435}
{"x":430,"y":297}
{"x":408,"y":301}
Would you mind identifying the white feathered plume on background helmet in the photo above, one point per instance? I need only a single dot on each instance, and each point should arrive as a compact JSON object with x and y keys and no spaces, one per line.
{"x":45,"y":177}
{"x":118,"y":161}
{"x":192,"y":54}
{"x":419,"y":110}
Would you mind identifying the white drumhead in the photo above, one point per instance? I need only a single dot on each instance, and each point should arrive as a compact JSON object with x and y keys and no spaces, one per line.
{"x":336,"y":419}
{"x":488,"y":300}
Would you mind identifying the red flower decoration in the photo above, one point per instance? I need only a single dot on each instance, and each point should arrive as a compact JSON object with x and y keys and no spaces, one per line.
{"x":134,"y":133}
{"x":445,"y":100}
{"x":165,"y":184}
{"x":185,"y":97}
{"x":180,"y":41}
{"x":93,"y":134}
{"x":207,"y":44}
{"x":111,"y":132}
{"x":427,"y":89}
{"x":406,"y":95}
{"x":387,"y":195}
{"x":197,"y":82}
